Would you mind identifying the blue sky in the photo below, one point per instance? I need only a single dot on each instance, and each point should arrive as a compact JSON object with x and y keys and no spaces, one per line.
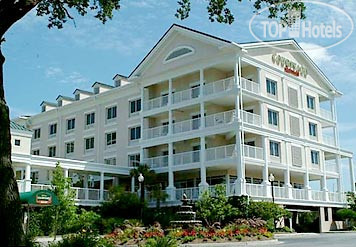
{"x":42,"y":63}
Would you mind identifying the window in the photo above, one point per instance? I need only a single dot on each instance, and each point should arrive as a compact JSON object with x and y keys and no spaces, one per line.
{"x":312,"y":129}
{"x":271,"y":86}
{"x":179,"y":52}
{"x":314,"y":157}
{"x":36,"y":152}
{"x":110,"y":161}
{"x":111,"y":112}
{"x":17,"y":142}
{"x":273,"y":117}
{"x":89,"y":143}
{"x":37,"y":133}
{"x":135,"y":106}
{"x":274,"y":148}
{"x":135,"y":133}
{"x":70,"y":147}
{"x":311,"y":102}
{"x":52,"y":129}
{"x":110,"y":138}
{"x":52,"y":151}
{"x":90,"y":119}
{"x":134,"y":160}
{"x":71,"y":124}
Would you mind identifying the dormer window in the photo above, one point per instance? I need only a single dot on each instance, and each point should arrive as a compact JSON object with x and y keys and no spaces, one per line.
{"x":179,"y":52}
{"x":96,"y":90}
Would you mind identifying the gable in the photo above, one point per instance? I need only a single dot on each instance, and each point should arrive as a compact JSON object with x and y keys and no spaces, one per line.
{"x":303,"y":67}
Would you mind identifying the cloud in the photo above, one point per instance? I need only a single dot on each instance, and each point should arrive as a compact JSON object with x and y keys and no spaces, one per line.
{"x":318,"y":53}
{"x":52,"y":72}
{"x":74,"y":78}
{"x":19,"y":111}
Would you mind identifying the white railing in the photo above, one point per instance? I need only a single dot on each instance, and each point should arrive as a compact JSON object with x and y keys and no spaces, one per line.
{"x":21,"y":185}
{"x":157,"y":162}
{"x":279,"y":192}
{"x":192,"y":193}
{"x":186,"y":158}
{"x":253,"y":152}
{"x":326,"y":114}
{"x":219,"y":86}
{"x":221,"y":152}
{"x":188,"y":94}
{"x":40,"y":186}
{"x":155,"y":132}
{"x":250,"y":86}
{"x":329,"y":140}
{"x":155,"y":103}
{"x":220,"y":118}
{"x":331,"y":166}
{"x":251,"y":118}
{"x":255,"y":190}
{"x":299,"y":194}
{"x":336,"y":197}
{"x":187,"y":125}
{"x":318,"y":195}
{"x":89,"y":194}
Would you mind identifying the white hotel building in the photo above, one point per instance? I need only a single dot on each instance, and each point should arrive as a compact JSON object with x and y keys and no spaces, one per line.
{"x":201,"y":111}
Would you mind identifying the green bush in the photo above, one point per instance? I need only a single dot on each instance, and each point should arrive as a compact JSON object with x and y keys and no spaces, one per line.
{"x":346,"y":214}
{"x":83,"y":239}
{"x":86,"y":220}
{"x":110,"y":224}
{"x":161,"y":242}
{"x":308,"y":222}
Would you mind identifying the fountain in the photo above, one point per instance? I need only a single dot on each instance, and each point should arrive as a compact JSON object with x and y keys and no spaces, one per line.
{"x":186,"y":215}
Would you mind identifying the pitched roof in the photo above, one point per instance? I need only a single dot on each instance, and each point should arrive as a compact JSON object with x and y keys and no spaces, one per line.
{"x":65,"y":98}
{"x":15,"y":126}
{"x":82,"y":91}
{"x":48,"y":103}
{"x":102,"y":84}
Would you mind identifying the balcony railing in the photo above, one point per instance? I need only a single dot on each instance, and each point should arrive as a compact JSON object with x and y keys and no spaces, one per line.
{"x":219,"y":153}
{"x":220,"y":118}
{"x":255,"y":190}
{"x":251,"y":118}
{"x":329,"y":140}
{"x":253,"y":152}
{"x":219,"y":86}
{"x":192,"y":193}
{"x":299,"y":194}
{"x":337,"y":197}
{"x":157,"y":162}
{"x":326,"y":114}
{"x":155,"y":103}
{"x":250,"y":86}
{"x":187,"y":125}
{"x":318,"y":195}
{"x":280,"y":192}
{"x":186,"y":158}
{"x":155,"y":132}
{"x":185,"y":95}
{"x":331,"y":166}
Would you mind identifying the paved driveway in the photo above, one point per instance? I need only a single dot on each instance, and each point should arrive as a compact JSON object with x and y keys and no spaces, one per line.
{"x":316,"y":240}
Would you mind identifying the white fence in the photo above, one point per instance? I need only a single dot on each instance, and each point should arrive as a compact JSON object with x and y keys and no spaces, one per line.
{"x":219,"y":86}
{"x":251,"y":118}
{"x":186,"y":158}
{"x":157,"y":162}
{"x":250,"y":86}
{"x":221,"y":152}
{"x":253,"y":152}
{"x":185,"y":95}
{"x":220,"y":118}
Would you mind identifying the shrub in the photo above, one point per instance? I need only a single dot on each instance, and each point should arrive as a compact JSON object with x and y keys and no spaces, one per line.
{"x":86,"y":220}
{"x":346,"y":214}
{"x":83,"y":239}
{"x":308,"y":222}
{"x":110,"y":224}
{"x":161,"y":242}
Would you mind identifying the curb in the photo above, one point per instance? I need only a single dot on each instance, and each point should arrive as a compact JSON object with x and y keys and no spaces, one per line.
{"x":295,"y":235}
{"x":247,"y":243}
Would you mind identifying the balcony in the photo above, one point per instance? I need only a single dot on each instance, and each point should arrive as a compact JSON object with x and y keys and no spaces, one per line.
{"x":185,"y":95}
{"x":250,"y":86}
{"x":219,"y":86}
{"x":157,"y":162}
{"x":192,"y":193}
{"x":255,"y":190}
{"x":220,"y":118}
{"x":155,"y":132}
{"x":326,"y":114}
{"x":253,"y":152}
{"x":219,"y":153}
{"x":186,"y":158}
{"x":155,"y":103}
{"x":331,"y":166}
{"x":329,"y":140}
{"x":186,"y":126}
{"x":250,"y":118}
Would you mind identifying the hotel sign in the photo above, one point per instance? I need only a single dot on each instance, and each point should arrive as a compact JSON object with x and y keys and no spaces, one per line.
{"x":290,"y":66}
{"x":44,"y":198}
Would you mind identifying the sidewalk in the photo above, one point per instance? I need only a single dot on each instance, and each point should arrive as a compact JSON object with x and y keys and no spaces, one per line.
{"x":232,"y":244}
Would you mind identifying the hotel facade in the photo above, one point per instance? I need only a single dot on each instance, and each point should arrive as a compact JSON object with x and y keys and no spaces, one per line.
{"x":200,"y":111}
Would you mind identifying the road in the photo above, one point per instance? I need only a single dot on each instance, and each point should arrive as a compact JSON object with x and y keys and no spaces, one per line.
{"x":316,"y":240}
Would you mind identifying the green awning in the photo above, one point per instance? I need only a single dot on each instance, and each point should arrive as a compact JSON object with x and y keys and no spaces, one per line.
{"x":39,"y":198}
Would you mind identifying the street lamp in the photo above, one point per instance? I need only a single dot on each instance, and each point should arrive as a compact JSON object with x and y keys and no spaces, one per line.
{"x":271,"y":180}
{"x":141,"y":180}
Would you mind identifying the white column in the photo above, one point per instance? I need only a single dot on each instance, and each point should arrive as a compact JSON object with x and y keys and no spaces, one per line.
{"x":339,"y":170}
{"x":170,"y":92}
{"x":101,"y":186}
{"x":262,"y":113}
{"x":202,"y":115}
{"x":259,"y":75}
{"x":201,"y":80}
{"x":66,"y":172}
{"x":240,"y":185}
{"x":170,"y":122}
{"x":324,"y":185}
{"x":170,"y":189}
{"x":133,"y":184}
{"x":265,"y":173}
{"x":352,"y":174}
{"x":203,"y":185}
{"x":288,"y":162}
{"x":227,"y":182}
{"x":333,"y":109}
{"x":85,"y":185}
{"x":28,"y":178}
{"x":307,"y":185}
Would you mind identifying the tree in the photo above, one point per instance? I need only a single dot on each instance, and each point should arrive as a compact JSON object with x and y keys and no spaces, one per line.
{"x":59,"y":12}
{"x":215,"y":208}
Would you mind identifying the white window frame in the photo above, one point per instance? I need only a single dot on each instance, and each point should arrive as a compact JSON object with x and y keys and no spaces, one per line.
{"x":71,"y":148}
{"x":50,"y":128}
{"x":85,"y":144}
{"x":112,"y":141}
{"x":165,"y":61}
{"x":50,"y":151}
{"x":37,"y":133}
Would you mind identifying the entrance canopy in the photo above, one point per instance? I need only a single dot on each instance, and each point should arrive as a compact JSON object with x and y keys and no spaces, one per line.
{"x":39,"y":198}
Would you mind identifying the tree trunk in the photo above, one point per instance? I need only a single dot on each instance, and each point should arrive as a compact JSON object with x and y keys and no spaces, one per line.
{"x":11,"y":231}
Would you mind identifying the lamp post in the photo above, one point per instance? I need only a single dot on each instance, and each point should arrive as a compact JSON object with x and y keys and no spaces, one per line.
{"x":271,"y":180}
{"x":141,"y":180}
